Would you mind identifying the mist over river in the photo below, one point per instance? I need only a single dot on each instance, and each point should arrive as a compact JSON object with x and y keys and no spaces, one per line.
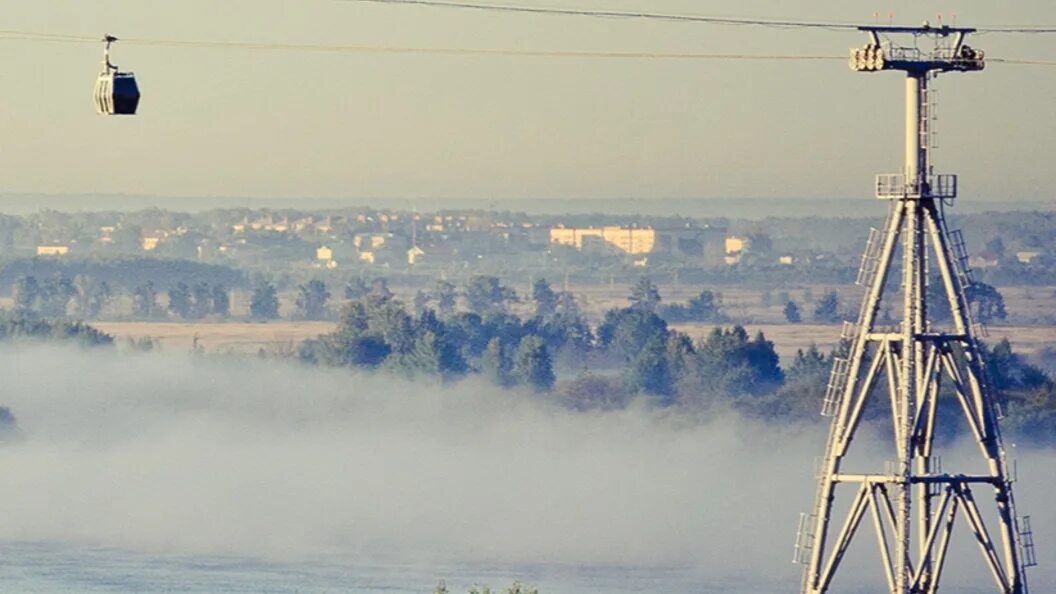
{"x":179,"y":473}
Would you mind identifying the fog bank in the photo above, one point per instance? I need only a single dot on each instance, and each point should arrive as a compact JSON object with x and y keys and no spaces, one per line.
{"x":190,"y":455}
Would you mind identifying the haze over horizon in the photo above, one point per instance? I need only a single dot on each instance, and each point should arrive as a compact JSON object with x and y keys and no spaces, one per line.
{"x":282,"y":124}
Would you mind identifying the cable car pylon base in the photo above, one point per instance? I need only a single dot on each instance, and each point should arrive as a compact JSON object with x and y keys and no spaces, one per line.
{"x":913,"y":505}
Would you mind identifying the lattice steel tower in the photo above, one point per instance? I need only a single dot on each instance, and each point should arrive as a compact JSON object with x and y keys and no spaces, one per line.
{"x":913,"y":504}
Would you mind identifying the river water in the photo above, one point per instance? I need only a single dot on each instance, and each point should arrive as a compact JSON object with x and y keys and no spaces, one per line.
{"x":51,"y":568}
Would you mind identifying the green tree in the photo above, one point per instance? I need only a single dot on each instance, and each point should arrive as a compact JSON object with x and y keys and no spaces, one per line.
{"x":804,"y":388}
{"x":644,"y":296}
{"x":379,"y":289}
{"x":27,"y":295}
{"x":496,"y":365}
{"x":264,"y":303}
{"x":356,"y":289}
{"x":792,"y":313}
{"x":532,"y":365}
{"x":202,"y":300}
{"x":986,"y":302}
{"x":421,"y":302}
{"x":388,"y":320}
{"x":145,"y":301}
{"x":311,"y":300}
{"x":486,"y":294}
{"x":17,"y":326}
{"x":731,"y":364}
{"x":180,"y":301}
{"x":594,"y":392}
{"x":91,"y":297}
{"x":626,"y":331}
{"x":544,"y":297}
{"x":55,"y":296}
{"x":649,"y":371}
{"x":221,"y":301}
{"x":827,"y":308}
{"x":434,"y":355}
{"x":446,"y":297}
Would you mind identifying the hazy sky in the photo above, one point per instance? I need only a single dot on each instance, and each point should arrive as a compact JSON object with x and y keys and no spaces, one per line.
{"x":225,"y":122}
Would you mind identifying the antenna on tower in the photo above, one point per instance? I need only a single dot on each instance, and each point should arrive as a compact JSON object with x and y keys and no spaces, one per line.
{"x":913,"y":503}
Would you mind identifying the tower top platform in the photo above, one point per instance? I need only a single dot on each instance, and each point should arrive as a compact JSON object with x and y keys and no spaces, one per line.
{"x":947,"y":51}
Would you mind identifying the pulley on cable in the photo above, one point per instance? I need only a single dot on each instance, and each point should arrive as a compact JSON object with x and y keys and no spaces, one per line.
{"x":116,"y":93}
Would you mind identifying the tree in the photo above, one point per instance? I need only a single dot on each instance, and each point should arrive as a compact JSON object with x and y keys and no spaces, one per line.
{"x":626,"y":331}
{"x":379,"y":289}
{"x":180,"y":300}
{"x":55,"y":296}
{"x":792,"y":313}
{"x":91,"y":296}
{"x":495,"y":364}
{"x":421,"y":302}
{"x":649,"y":371}
{"x":644,"y":296}
{"x":145,"y":301}
{"x":311,"y":300}
{"x":433,"y":354}
{"x":26,"y":295}
{"x":801,"y":395}
{"x":388,"y":320}
{"x":446,"y":297}
{"x":828,"y":308}
{"x":264,"y":304}
{"x":356,"y":289}
{"x":705,"y":307}
{"x":486,"y":294}
{"x":544,"y":297}
{"x":731,"y":364}
{"x":986,"y":302}
{"x":532,"y":365}
{"x":594,"y":392}
{"x":202,"y":300}
{"x":221,"y":301}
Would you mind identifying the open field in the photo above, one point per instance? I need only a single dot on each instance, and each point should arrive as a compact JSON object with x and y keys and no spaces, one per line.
{"x":219,"y":337}
{"x":246,"y":338}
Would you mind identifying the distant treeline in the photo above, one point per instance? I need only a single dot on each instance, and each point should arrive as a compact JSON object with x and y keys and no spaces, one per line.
{"x":632,"y":353}
{"x":121,"y":272}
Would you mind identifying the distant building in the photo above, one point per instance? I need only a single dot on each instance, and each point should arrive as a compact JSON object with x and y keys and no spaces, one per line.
{"x":700,"y":245}
{"x":1028,"y":257}
{"x":984,"y":260}
{"x":373,"y":241}
{"x":150,"y":242}
{"x":106,"y":234}
{"x":53,"y":250}
{"x":735,"y":245}
{"x":626,"y":239}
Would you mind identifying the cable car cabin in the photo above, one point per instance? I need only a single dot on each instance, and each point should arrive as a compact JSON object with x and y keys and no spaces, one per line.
{"x":116,"y":93}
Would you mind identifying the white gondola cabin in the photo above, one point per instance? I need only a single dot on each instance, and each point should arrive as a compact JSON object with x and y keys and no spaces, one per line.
{"x":116,"y":93}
